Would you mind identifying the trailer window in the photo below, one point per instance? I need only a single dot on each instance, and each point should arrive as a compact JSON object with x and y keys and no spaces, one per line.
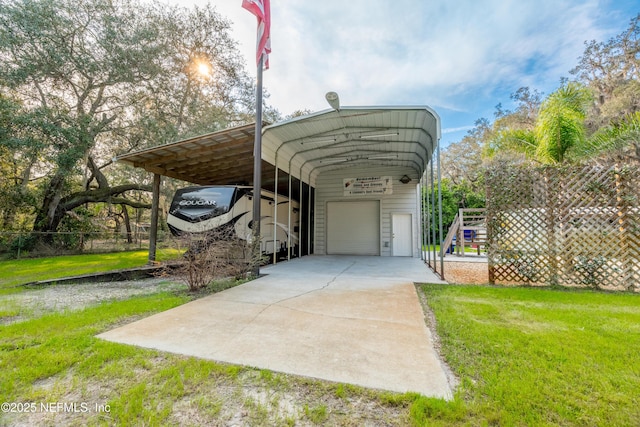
{"x":204,"y":202}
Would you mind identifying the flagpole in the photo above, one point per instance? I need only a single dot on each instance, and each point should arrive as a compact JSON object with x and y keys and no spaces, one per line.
{"x":262,"y":10}
{"x":257,"y":170}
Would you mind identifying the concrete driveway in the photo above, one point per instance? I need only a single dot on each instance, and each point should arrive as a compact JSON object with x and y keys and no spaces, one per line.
{"x":347,"y":319}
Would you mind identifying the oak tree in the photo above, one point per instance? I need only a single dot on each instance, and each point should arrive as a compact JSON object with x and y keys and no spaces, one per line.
{"x":96,"y":78}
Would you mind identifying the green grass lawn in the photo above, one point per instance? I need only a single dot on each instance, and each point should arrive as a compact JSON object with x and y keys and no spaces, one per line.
{"x":17,"y":272}
{"x":467,"y":249}
{"x":524,"y":356}
{"x":529,"y":356}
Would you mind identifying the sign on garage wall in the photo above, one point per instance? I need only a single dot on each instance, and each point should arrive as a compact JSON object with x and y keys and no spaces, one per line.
{"x":368,"y":186}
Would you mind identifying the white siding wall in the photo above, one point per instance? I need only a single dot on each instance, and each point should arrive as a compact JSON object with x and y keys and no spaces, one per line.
{"x":403,"y":200}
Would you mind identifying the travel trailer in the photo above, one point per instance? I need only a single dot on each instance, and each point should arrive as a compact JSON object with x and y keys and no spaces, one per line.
{"x":205,"y":209}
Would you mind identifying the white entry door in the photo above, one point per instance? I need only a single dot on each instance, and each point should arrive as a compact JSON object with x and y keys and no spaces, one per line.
{"x":402,"y":239}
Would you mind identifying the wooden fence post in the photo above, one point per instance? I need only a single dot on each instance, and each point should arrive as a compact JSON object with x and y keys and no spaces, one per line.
{"x":155,"y":206}
{"x":622,"y":209}
{"x":551,"y":199}
{"x":490,"y":224}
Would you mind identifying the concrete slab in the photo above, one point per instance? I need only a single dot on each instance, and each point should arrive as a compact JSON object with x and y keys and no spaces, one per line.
{"x":353,"y":320}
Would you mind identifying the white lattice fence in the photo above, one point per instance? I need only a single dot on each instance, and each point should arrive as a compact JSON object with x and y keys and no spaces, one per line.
{"x":575,"y":226}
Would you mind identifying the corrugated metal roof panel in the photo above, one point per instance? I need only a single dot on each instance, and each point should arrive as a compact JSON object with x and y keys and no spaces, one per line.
{"x":356,"y":135}
{"x":327,"y":140}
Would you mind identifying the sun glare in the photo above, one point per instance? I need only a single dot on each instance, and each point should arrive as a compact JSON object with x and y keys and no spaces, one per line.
{"x":204,"y":69}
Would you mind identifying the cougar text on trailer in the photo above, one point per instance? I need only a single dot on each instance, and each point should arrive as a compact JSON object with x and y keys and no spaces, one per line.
{"x":205,"y":209}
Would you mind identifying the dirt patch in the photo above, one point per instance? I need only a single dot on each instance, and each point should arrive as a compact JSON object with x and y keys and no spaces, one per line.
{"x":253,"y":398}
{"x":463,"y":273}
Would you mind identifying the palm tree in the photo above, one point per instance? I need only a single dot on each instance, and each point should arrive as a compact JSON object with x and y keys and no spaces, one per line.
{"x":621,"y":139}
{"x":559,"y":127}
{"x":560,"y":124}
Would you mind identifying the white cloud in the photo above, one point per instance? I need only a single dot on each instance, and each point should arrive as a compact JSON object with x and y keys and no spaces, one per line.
{"x":453,"y":55}
{"x":458,"y":129}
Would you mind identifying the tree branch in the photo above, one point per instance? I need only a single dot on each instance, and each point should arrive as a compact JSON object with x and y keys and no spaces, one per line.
{"x":97,"y":173}
{"x":106,"y":195}
{"x":132,"y":203}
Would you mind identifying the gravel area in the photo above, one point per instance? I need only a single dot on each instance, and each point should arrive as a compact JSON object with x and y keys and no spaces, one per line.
{"x":33,"y":302}
{"x":466,"y":273}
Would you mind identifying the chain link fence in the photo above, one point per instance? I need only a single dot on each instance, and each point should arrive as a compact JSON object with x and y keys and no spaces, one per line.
{"x":569,"y":226}
{"x":33,"y":244}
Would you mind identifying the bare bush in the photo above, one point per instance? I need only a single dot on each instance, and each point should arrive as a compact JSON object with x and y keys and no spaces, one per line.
{"x":215,"y":254}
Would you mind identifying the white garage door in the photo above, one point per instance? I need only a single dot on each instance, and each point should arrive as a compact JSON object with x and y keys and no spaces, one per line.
{"x":353,"y":228}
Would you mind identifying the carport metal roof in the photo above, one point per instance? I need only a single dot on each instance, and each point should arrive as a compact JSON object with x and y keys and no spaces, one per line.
{"x":353,"y":136}
{"x":304,"y":146}
{"x":223,"y":157}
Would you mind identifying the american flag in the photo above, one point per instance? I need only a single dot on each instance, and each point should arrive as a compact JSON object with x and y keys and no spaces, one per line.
{"x":262,"y":10}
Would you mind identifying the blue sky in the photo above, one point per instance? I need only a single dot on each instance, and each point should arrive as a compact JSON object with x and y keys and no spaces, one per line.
{"x":459,"y":57}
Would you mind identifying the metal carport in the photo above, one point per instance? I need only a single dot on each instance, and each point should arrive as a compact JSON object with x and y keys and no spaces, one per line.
{"x":304,"y":147}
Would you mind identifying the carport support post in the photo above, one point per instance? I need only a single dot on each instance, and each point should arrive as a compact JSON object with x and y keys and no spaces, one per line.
{"x":309,"y":218}
{"x":289,"y":219}
{"x":275,"y":213}
{"x":428,"y":213}
{"x":422,"y":224}
{"x":433,"y":218}
{"x":155,"y":207}
{"x":257,"y":172}
{"x":440,"y":228}
{"x":300,"y":219}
